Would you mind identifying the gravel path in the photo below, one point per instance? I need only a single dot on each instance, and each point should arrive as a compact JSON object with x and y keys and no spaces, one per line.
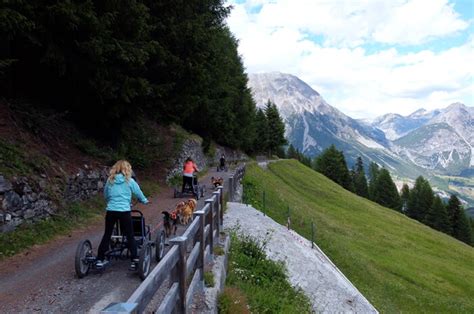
{"x":328,"y":289}
{"x":42,"y":278}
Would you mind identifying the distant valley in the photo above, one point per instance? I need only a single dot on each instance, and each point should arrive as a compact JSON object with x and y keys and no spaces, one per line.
{"x":437,"y":144}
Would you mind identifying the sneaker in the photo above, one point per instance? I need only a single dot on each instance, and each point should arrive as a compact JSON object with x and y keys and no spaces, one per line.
{"x":134,"y":264}
{"x":99,"y":263}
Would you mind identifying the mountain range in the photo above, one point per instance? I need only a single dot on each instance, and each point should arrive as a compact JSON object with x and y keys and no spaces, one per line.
{"x":437,"y":144}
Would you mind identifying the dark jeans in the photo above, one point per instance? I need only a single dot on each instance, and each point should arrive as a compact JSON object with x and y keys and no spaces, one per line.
{"x":126,"y":227}
{"x":187,"y":181}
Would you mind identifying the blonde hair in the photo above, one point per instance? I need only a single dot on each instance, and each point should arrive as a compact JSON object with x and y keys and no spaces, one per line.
{"x":123,"y":167}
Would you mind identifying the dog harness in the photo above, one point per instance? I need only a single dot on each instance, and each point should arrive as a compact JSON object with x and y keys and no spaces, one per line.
{"x":173,"y":215}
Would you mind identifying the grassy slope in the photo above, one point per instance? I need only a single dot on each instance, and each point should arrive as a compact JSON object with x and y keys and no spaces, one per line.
{"x":396,"y":262}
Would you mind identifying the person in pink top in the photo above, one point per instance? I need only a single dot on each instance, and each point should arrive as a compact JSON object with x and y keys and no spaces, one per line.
{"x":188,"y":172}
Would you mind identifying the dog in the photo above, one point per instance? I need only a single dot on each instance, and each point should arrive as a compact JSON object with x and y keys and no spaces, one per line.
{"x":188,"y":210}
{"x":170,"y":222}
{"x":219,"y":181}
{"x":170,"y":219}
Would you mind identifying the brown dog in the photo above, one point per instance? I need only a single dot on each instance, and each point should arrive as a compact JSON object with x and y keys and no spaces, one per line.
{"x":188,"y":210}
{"x":170,"y":219}
{"x":170,"y":222}
{"x":217,"y":181}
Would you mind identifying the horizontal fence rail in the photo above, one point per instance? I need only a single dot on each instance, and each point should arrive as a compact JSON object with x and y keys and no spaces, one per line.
{"x":185,"y":260}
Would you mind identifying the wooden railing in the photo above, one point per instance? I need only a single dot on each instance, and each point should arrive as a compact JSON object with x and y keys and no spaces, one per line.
{"x":185,"y":259}
{"x":234,"y":181}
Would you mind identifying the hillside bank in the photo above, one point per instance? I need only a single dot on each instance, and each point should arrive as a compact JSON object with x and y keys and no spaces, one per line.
{"x":397,"y":263}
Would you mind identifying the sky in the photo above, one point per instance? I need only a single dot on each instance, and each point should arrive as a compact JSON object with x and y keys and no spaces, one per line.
{"x":365,"y":57}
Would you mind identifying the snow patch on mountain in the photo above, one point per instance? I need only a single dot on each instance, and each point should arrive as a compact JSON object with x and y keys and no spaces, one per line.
{"x":308,"y":140}
{"x":368,"y":142}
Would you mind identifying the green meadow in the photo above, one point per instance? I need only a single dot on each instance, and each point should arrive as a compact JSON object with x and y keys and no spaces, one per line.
{"x":399,"y":264}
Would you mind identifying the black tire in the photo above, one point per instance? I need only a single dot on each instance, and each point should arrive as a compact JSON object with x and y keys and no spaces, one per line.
{"x":144,"y":262}
{"x":83,"y":250}
{"x":160,"y":245}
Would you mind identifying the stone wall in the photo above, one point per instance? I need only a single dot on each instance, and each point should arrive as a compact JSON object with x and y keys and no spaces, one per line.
{"x":24,"y":199}
{"x":231,"y":156}
{"x":192,"y":148}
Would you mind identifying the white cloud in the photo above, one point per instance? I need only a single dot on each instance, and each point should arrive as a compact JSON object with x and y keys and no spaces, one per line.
{"x":417,"y":21}
{"x":362,"y":84}
{"x":351,"y":23}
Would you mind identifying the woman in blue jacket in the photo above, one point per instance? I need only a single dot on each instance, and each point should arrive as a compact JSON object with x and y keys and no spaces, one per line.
{"x":118,"y":193}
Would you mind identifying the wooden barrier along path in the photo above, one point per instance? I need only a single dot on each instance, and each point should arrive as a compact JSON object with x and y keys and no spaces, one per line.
{"x":185,"y":259}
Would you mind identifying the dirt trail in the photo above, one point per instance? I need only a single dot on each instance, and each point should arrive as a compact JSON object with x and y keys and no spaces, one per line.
{"x":42,"y":279}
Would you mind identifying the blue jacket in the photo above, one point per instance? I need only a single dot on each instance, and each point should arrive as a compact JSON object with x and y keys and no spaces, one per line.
{"x":119,"y":194}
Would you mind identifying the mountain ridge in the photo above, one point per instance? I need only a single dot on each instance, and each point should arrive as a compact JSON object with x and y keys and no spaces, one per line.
{"x":442,"y":147}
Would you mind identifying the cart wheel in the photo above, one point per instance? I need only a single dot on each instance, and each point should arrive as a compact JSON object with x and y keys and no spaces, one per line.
{"x":84,"y":250}
{"x":175,"y":193}
{"x":202,"y":190}
{"x":160,"y":245}
{"x":144,"y":261}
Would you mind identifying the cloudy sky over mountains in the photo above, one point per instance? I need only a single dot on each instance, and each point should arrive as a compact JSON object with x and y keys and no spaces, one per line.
{"x":366,"y":57}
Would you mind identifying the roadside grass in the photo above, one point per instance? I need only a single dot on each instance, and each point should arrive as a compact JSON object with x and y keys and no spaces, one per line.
{"x":76,"y":215}
{"x":258,"y":281}
{"x":17,"y":160}
{"x":149,"y":187}
{"x":233,"y":301}
{"x":399,"y":264}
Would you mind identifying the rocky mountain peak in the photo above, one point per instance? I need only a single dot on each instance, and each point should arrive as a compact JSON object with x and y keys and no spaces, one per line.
{"x":418,"y":113}
{"x":289,"y":93}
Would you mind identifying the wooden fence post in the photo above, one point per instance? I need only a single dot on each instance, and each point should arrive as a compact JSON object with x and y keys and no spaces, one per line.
{"x":211,"y":225}
{"x":289,"y":218}
{"x":221,"y":194}
{"x":201,"y":215}
{"x":218,"y":214}
{"x":181,"y":268}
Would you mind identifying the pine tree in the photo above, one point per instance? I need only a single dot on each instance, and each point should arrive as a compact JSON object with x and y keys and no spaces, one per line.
{"x":405,"y":196}
{"x":385,"y":191}
{"x":306,"y":161}
{"x":261,"y":138}
{"x":275,"y":128}
{"x":472,"y":230}
{"x":292,"y":153}
{"x":460,"y":228}
{"x":333,"y":165}
{"x":359,"y":179}
{"x":373,"y":173}
{"x":421,"y":199}
{"x":437,"y":216}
